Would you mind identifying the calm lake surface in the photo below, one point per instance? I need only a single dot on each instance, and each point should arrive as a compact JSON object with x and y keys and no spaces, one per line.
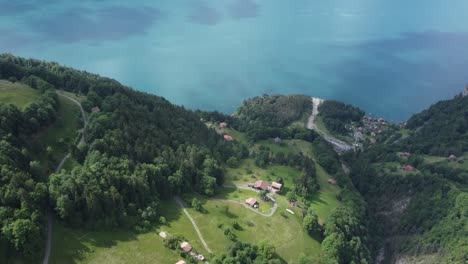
{"x":392,"y":58}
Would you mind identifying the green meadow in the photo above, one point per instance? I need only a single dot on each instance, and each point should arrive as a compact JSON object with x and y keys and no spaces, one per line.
{"x":17,"y":94}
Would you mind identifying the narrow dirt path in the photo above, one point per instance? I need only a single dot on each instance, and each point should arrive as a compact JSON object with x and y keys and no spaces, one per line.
{"x":181,"y":204}
{"x":48,"y":247}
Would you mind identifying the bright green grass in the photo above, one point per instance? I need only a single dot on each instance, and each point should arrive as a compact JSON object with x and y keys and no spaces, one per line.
{"x":61,"y":134}
{"x":241,"y":195}
{"x":324,"y":202}
{"x":17,"y":94}
{"x":287,"y":146}
{"x":80,"y":98}
{"x":72,"y":245}
{"x":284,"y":232}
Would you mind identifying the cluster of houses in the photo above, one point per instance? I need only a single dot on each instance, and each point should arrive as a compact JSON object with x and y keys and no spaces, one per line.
{"x":274,"y":187}
{"x":372,"y":127}
{"x":225,"y":136}
{"x":187,"y":248}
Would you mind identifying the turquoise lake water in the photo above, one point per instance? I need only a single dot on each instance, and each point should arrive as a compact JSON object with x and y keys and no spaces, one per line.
{"x":392,"y":58}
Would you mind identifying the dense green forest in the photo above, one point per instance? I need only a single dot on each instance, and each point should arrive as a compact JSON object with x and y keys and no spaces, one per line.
{"x":138,"y":149}
{"x":423,"y":212}
{"x":336,"y":115}
{"x":23,"y":194}
{"x":440,"y":130}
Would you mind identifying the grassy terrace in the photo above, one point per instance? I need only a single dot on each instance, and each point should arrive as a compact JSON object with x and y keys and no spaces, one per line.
{"x":17,"y":94}
{"x":70,"y":245}
{"x":283,"y":229}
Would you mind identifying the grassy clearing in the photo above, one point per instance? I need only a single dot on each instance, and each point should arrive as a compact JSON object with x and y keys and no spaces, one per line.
{"x":283,"y":230}
{"x":242,"y":195}
{"x":324,"y":202}
{"x":459,"y":163}
{"x":60,"y":135}
{"x":71,"y":245}
{"x":287,"y":146}
{"x":17,"y":94}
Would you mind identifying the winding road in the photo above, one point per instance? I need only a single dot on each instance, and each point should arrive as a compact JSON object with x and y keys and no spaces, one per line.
{"x":339,"y":146}
{"x":48,"y":247}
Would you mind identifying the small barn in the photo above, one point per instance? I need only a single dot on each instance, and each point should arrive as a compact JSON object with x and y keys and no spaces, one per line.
{"x":452,"y":157}
{"x":163,"y":234}
{"x":223,"y":124}
{"x":228,"y":138}
{"x":332,"y":181}
{"x":276,"y":186}
{"x":185,"y":246}
{"x":252,"y":202}
{"x":95,"y":109}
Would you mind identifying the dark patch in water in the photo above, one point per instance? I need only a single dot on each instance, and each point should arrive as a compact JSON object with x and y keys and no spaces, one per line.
{"x":204,"y":14}
{"x":110,"y":23}
{"x":384,"y":69}
{"x":243,"y":9}
{"x":14,"y":7}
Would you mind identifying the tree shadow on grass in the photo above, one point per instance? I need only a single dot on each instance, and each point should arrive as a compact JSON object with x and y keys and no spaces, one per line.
{"x":316,"y":199}
{"x":73,"y":245}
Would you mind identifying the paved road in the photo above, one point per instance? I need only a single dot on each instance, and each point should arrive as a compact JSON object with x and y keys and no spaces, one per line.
{"x":48,"y":247}
{"x":339,"y":146}
{"x":181,"y":204}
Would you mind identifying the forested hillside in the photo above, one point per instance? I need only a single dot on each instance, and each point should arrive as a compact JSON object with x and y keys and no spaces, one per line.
{"x":139,"y":149}
{"x":440,"y":130}
{"x":336,"y":115}
{"x":23,"y":192}
{"x":416,"y":193}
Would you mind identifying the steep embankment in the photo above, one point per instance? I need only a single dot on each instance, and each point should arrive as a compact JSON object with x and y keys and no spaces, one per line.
{"x":416,"y":192}
{"x":339,"y":145}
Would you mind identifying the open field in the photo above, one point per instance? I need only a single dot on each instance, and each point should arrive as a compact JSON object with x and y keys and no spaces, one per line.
{"x":17,"y":94}
{"x":324,"y":202}
{"x":287,"y":146}
{"x":283,"y":230}
{"x":72,"y":245}
{"x":459,"y":163}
